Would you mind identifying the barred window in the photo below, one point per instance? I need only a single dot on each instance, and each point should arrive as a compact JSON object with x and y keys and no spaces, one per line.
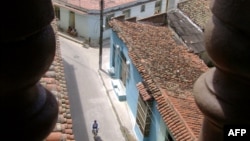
{"x":126,"y":13}
{"x":142,"y":8}
{"x":157,"y":6}
{"x":143,"y":118}
{"x":124,"y":69}
{"x":57,"y":12}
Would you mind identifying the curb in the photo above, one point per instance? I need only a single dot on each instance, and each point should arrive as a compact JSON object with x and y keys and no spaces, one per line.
{"x":74,"y":40}
{"x":70,"y":38}
{"x":82,"y":42}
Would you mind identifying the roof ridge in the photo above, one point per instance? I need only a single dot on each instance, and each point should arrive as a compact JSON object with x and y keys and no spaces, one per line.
{"x":168,"y":102}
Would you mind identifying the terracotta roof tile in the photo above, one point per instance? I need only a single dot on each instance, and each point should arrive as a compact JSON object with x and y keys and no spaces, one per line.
{"x":95,"y":4}
{"x":168,"y":71}
{"x":54,"y":81}
{"x":143,"y":92}
{"x":55,"y":136}
{"x":197,"y":10}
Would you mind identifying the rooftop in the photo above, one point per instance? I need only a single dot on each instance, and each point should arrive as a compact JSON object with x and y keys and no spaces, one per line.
{"x":197,"y":10}
{"x":54,"y":81}
{"x":95,"y":4}
{"x":168,"y":71}
{"x":188,"y":32}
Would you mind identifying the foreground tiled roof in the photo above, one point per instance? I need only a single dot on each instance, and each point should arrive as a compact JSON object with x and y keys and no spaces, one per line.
{"x":197,"y":10}
{"x":168,"y":71}
{"x":143,"y":92}
{"x":54,"y":81}
{"x":95,"y":4}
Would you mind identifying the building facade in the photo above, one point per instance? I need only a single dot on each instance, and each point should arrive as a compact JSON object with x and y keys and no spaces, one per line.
{"x":84,"y":15}
{"x":155,"y":76}
{"x":127,"y":82}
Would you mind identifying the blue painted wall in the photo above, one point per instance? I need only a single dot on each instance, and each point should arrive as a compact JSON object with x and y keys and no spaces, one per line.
{"x":133,"y":77}
{"x":158,"y":128}
{"x":114,"y":41}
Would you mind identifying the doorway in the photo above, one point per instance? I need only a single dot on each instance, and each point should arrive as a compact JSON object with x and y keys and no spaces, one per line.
{"x":72,"y":19}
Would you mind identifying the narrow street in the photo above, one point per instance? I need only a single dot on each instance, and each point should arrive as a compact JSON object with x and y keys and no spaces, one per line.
{"x":87,"y":95}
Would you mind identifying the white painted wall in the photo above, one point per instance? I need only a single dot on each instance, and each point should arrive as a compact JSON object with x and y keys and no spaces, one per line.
{"x":64,"y":18}
{"x":81,"y":25}
{"x":106,"y":34}
{"x":149,"y":10}
{"x":179,"y":1}
{"x":172,"y":4}
{"x":88,"y":26}
{"x":163,"y":6}
{"x":94,"y":26}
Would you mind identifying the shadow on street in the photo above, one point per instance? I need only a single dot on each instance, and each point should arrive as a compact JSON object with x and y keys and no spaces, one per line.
{"x":98,"y":138}
{"x":80,"y":129}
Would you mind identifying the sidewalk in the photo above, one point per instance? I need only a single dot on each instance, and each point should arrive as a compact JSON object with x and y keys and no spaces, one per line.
{"x":121,"y":109}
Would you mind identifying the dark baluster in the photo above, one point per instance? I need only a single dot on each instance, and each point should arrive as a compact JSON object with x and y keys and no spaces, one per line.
{"x":222,"y":93}
{"x":28,"y":111}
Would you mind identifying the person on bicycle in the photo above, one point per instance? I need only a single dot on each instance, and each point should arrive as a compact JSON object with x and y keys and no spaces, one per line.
{"x":95,"y":126}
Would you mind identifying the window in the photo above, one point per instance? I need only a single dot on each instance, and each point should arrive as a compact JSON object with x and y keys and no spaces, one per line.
{"x":108,"y":18}
{"x":113,"y":56}
{"x":124,"y":69}
{"x":157,"y":7}
{"x":72,"y":19}
{"x":57,"y":12}
{"x":142,"y":8}
{"x":143,"y":118}
{"x":168,"y":137}
{"x":126,"y":13}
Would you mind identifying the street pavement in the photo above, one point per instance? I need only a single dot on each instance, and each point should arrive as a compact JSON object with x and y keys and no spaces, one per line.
{"x":88,"y":99}
{"x":91,"y":95}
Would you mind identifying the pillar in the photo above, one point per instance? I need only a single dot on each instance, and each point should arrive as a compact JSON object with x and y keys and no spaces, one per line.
{"x":222,"y":93}
{"x":27,"y":48}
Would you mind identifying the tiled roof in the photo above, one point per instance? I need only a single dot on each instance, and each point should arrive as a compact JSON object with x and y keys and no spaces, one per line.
{"x":54,"y":81}
{"x":143,"y":92}
{"x":189,"y":34}
{"x":168,"y":71}
{"x":95,"y":4}
{"x":197,"y":10}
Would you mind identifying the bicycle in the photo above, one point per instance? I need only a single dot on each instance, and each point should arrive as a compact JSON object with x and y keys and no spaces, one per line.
{"x":95,"y":131}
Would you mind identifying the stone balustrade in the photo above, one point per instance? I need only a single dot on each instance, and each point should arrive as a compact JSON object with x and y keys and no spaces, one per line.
{"x":29,"y":111}
{"x":222,"y":93}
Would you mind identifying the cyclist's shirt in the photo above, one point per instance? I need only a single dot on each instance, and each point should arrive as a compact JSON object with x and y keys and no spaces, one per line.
{"x":95,"y":125}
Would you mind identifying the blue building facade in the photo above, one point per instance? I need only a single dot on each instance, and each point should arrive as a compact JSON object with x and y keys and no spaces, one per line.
{"x":126,"y":77}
